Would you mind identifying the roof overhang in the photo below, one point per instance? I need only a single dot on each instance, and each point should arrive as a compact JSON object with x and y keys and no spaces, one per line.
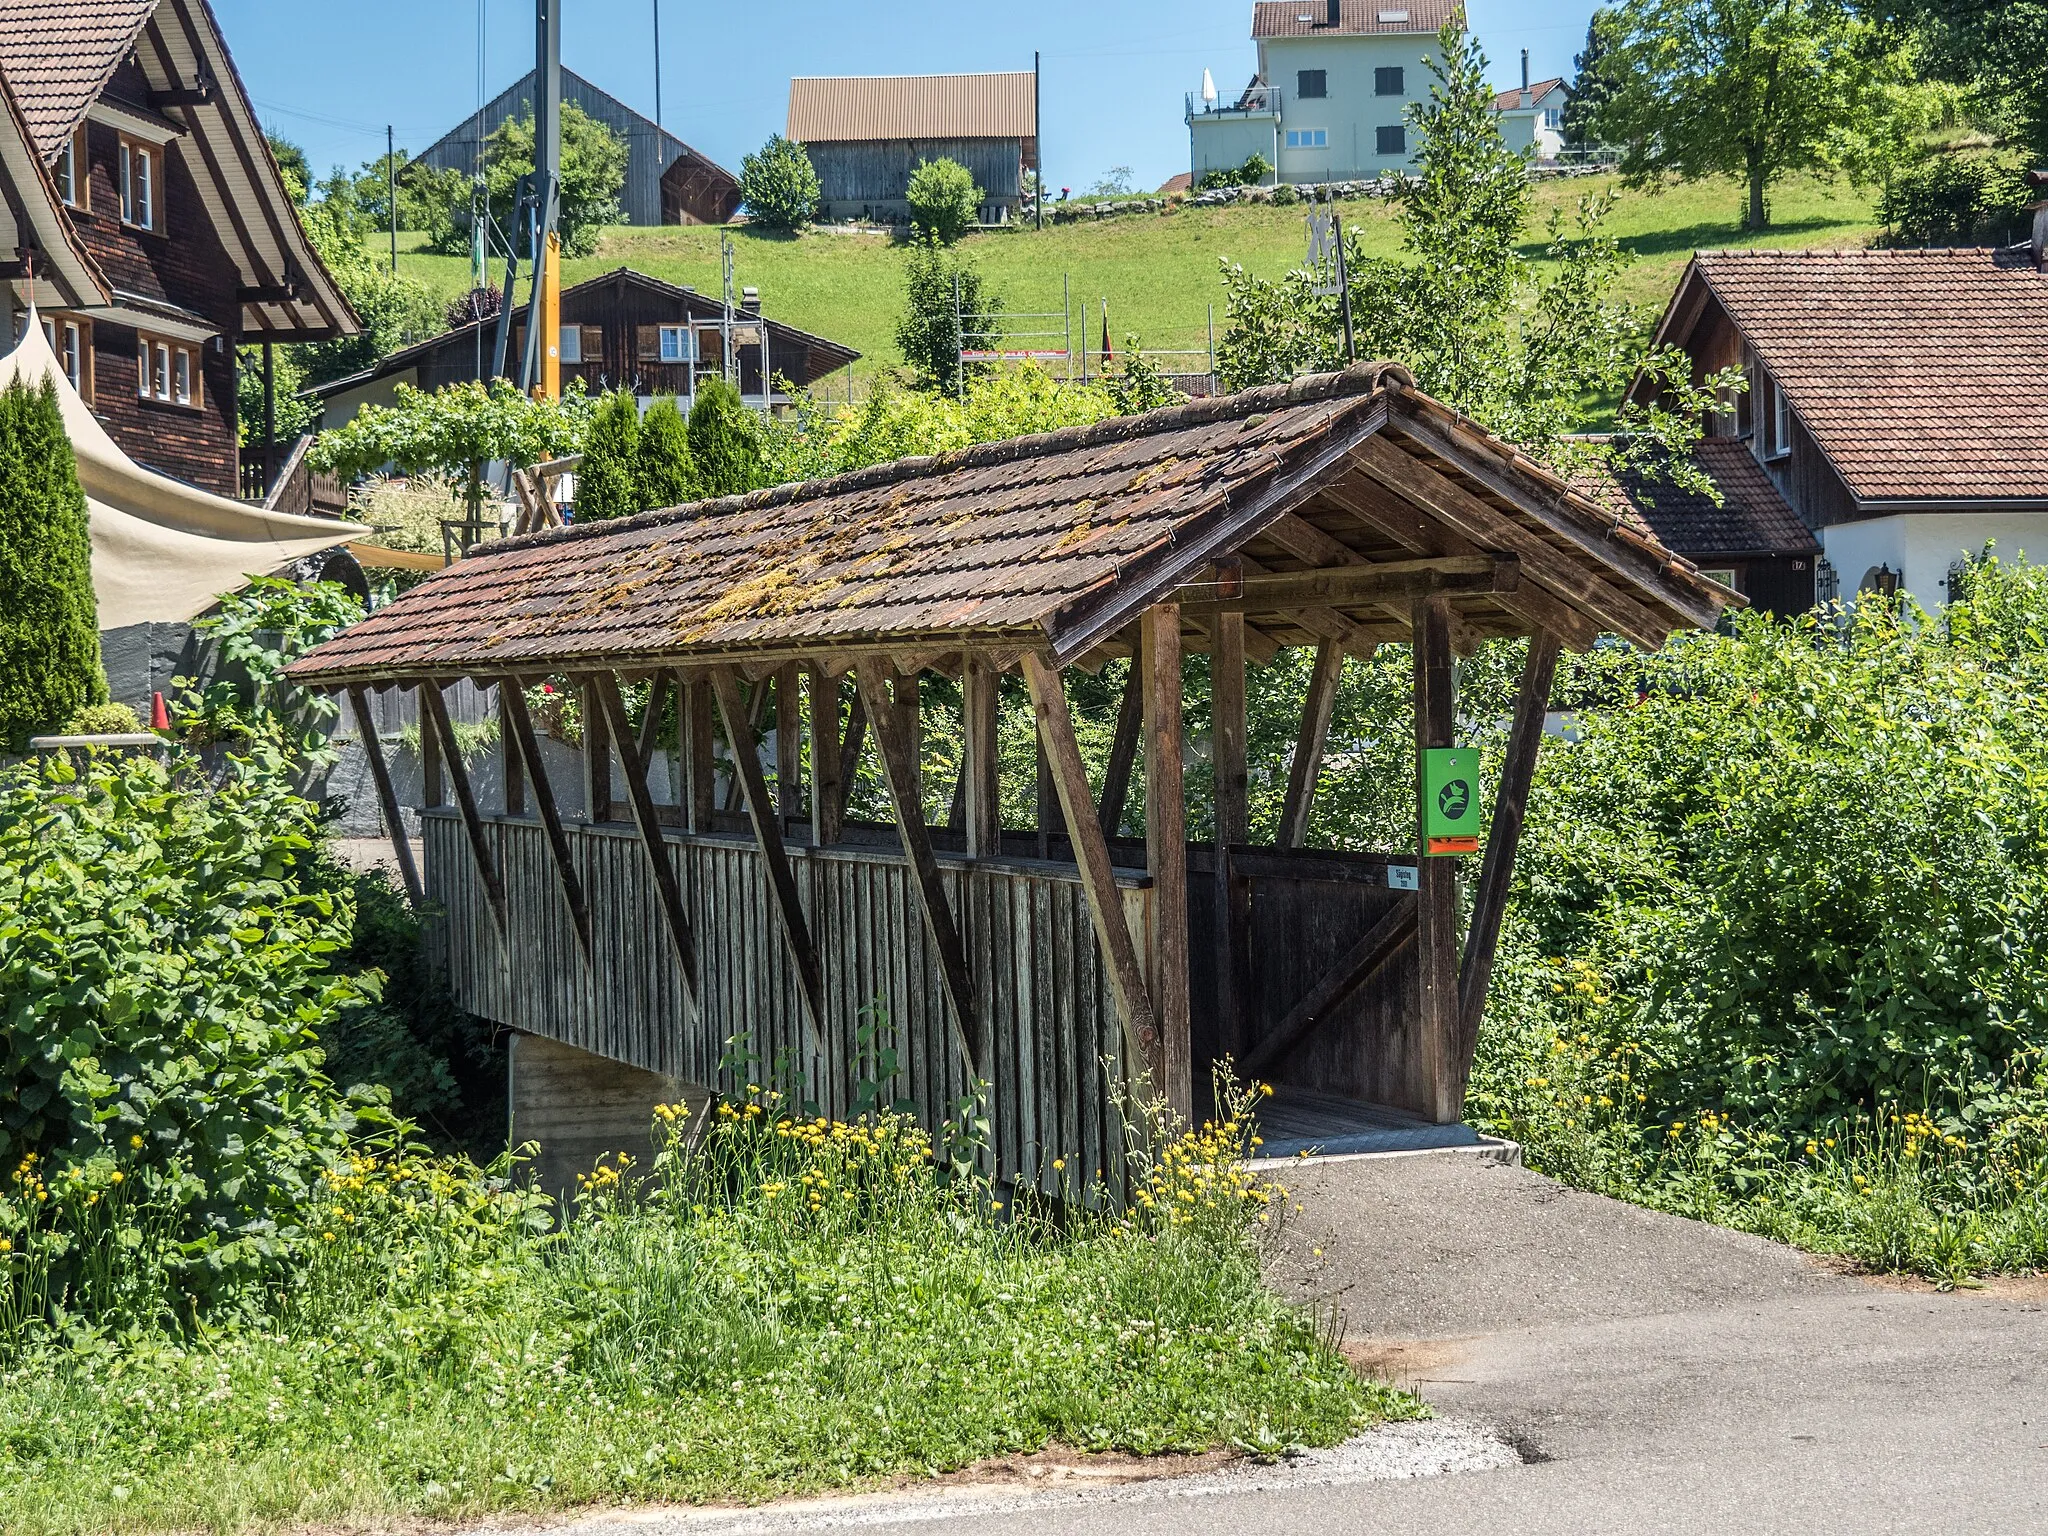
{"x":39,"y":248}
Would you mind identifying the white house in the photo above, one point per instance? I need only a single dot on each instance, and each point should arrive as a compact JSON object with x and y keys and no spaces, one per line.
{"x":1331,"y":97}
{"x":1532,"y":118}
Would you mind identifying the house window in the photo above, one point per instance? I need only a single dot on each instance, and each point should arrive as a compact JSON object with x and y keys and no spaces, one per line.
{"x":1308,"y":138}
{"x":167,"y":372}
{"x":1781,"y":422}
{"x":1392,"y":141}
{"x":141,"y":192}
{"x":571,"y":344}
{"x":71,"y":171}
{"x":71,"y":340}
{"x":1725,"y":576}
{"x":1553,"y":117}
{"x":1390,"y":81}
{"x":675,"y":344}
{"x":1311,"y":83}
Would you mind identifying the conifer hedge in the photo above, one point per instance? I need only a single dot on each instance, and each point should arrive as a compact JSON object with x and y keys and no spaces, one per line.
{"x":724,"y":440}
{"x":607,"y":484}
{"x":665,"y":469}
{"x":49,"y":618}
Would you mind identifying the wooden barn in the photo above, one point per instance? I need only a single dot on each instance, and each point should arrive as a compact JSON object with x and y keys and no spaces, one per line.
{"x":1061,"y":963}
{"x":667,"y":182}
{"x":867,"y":133}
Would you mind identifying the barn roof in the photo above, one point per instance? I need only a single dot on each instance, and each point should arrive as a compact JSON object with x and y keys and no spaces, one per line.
{"x":839,"y":108}
{"x":1313,"y":507}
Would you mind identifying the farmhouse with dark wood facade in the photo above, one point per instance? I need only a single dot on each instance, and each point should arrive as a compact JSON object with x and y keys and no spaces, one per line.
{"x":146,"y":219}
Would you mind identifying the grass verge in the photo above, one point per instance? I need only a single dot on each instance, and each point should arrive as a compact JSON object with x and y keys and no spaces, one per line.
{"x":791,"y":1306}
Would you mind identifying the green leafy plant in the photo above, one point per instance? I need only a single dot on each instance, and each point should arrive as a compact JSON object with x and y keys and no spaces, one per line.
{"x":779,"y":186}
{"x":944,"y":201}
{"x":259,"y":631}
{"x":593,"y":173}
{"x":1256,"y":171}
{"x":103,"y":720}
{"x":724,"y":441}
{"x":664,"y":466}
{"x":1140,"y":385}
{"x":1956,"y":199}
{"x":607,"y":481}
{"x":49,"y":629}
{"x":948,"y":307}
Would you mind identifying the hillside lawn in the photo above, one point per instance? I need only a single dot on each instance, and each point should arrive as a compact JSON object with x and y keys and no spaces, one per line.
{"x":1159,"y":272}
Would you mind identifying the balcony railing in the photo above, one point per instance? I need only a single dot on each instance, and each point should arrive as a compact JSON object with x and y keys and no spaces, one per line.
{"x":1254,"y":101}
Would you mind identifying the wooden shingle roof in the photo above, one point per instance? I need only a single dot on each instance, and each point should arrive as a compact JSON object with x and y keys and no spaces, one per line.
{"x":1918,"y":373}
{"x":1304,"y":492}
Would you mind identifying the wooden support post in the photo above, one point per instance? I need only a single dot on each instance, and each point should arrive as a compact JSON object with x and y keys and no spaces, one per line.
{"x":650,"y":720}
{"x":1316,"y":706}
{"x":850,"y":746}
{"x":433,"y":793}
{"x":1364,"y":960}
{"x":1166,"y":853}
{"x":895,"y":744}
{"x":1227,"y":735}
{"x":1098,"y":880}
{"x":1123,"y":753}
{"x":1048,"y":822}
{"x":908,"y":692}
{"x":796,"y":932}
{"x":597,"y":757}
{"x":435,"y":710}
{"x":605,"y":688}
{"x":789,"y":744}
{"x":981,"y":763}
{"x":1436,"y":934}
{"x":514,"y":764}
{"x":522,"y":744}
{"x":700,"y":765}
{"x":387,"y":797}
{"x":827,"y":803}
{"x":1497,"y":872}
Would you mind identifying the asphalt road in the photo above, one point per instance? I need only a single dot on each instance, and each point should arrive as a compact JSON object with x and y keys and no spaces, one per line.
{"x":1602,"y":1368}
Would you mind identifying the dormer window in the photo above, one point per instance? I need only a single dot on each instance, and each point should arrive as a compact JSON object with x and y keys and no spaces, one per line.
{"x":141,"y":184}
{"x":71,"y":171}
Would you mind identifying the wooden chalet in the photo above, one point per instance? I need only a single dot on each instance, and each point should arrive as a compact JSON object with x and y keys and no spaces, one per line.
{"x":1060,"y":963}
{"x":619,"y":330}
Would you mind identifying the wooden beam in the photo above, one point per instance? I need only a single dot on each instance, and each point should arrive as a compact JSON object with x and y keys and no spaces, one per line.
{"x":1227,"y":736}
{"x":433,"y":792}
{"x":695,"y":735}
{"x":850,"y":746}
{"x":1166,"y":853}
{"x":796,"y":932}
{"x":525,"y":746}
{"x":514,"y":765}
{"x":1047,"y":820}
{"x":606,"y":689}
{"x":827,"y":803}
{"x":1503,"y":836}
{"x":789,"y":744}
{"x":1316,"y":707}
{"x":981,"y":762}
{"x":597,"y":756}
{"x":1436,"y":878}
{"x":1358,"y":965}
{"x":889,"y":718}
{"x":1350,"y":585}
{"x":650,"y":720}
{"x":1091,"y":853}
{"x":907,"y":690}
{"x":435,"y":708}
{"x":1123,"y":752}
{"x":387,"y":797}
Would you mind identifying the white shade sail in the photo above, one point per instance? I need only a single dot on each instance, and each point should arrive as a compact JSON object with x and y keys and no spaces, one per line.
{"x":162,"y":551}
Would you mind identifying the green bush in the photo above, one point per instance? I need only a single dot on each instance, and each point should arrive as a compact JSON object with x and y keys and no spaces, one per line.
{"x":103,"y":720}
{"x":49,"y":615}
{"x":724,"y":441}
{"x":778,"y":185}
{"x":607,"y":481}
{"x":1957,"y":199}
{"x":664,"y":469}
{"x":164,"y":963}
{"x":947,"y":307}
{"x":1253,"y":173}
{"x":944,"y":201}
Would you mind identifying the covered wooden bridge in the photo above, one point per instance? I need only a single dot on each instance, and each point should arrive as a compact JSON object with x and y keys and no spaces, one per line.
{"x":1059,"y":963}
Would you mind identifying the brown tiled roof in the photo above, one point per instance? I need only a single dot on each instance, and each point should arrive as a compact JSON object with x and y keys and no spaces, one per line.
{"x":1919,"y":373}
{"x":1357,"y":18}
{"x":837,"y":108}
{"x":57,"y":55}
{"x":1052,"y":541}
{"x":1507,"y":101}
{"x":1753,"y":519}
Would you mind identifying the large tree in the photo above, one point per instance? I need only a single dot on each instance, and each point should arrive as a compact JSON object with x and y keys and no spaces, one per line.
{"x":49,"y":624}
{"x":1997,"y":50}
{"x":1750,"y":88}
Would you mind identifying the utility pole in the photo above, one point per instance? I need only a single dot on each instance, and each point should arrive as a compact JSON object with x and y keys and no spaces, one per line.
{"x":391,"y":192}
{"x":542,"y":363}
{"x":1037,"y":144}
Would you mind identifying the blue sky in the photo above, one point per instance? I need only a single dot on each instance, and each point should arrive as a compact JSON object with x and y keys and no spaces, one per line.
{"x":330,"y":75}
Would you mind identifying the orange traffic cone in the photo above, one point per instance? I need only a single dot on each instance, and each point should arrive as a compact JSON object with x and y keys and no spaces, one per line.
{"x":159,"y":717}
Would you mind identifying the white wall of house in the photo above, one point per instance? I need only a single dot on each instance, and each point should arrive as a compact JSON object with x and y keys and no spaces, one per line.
{"x":1338,"y":136}
{"x":1538,"y":127}
{"x":1921,"y":546}
{"x":1225,"y":140}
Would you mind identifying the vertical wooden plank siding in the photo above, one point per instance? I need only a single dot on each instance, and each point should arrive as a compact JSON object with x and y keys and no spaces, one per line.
{"x":694,"y":727}
{"x":1436,"y":937}
{"x":1233,"y":820}
{"x":1166,"y":853}
{"x":823,"y":694}
{"x":597,"y":759}
{"x":789,"y":744}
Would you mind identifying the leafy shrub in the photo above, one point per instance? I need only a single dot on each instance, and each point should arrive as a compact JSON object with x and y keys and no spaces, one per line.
{"x":1253,"y":173}
{"x":724,"y":441}
{"x":608,"y":480}
{"x":948,"y":308}
{"x":164,"y":955}
{"x":49,"y":616}
{"x":1956,"y":199}
{"x":779,"y":185}
{"x":103,"y":720}
{"x":259,"y":631}
{"x":406,"y":511}
{"x":664,"y":469}
{"x":593,"y":175}
{"x":944,"y":201}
